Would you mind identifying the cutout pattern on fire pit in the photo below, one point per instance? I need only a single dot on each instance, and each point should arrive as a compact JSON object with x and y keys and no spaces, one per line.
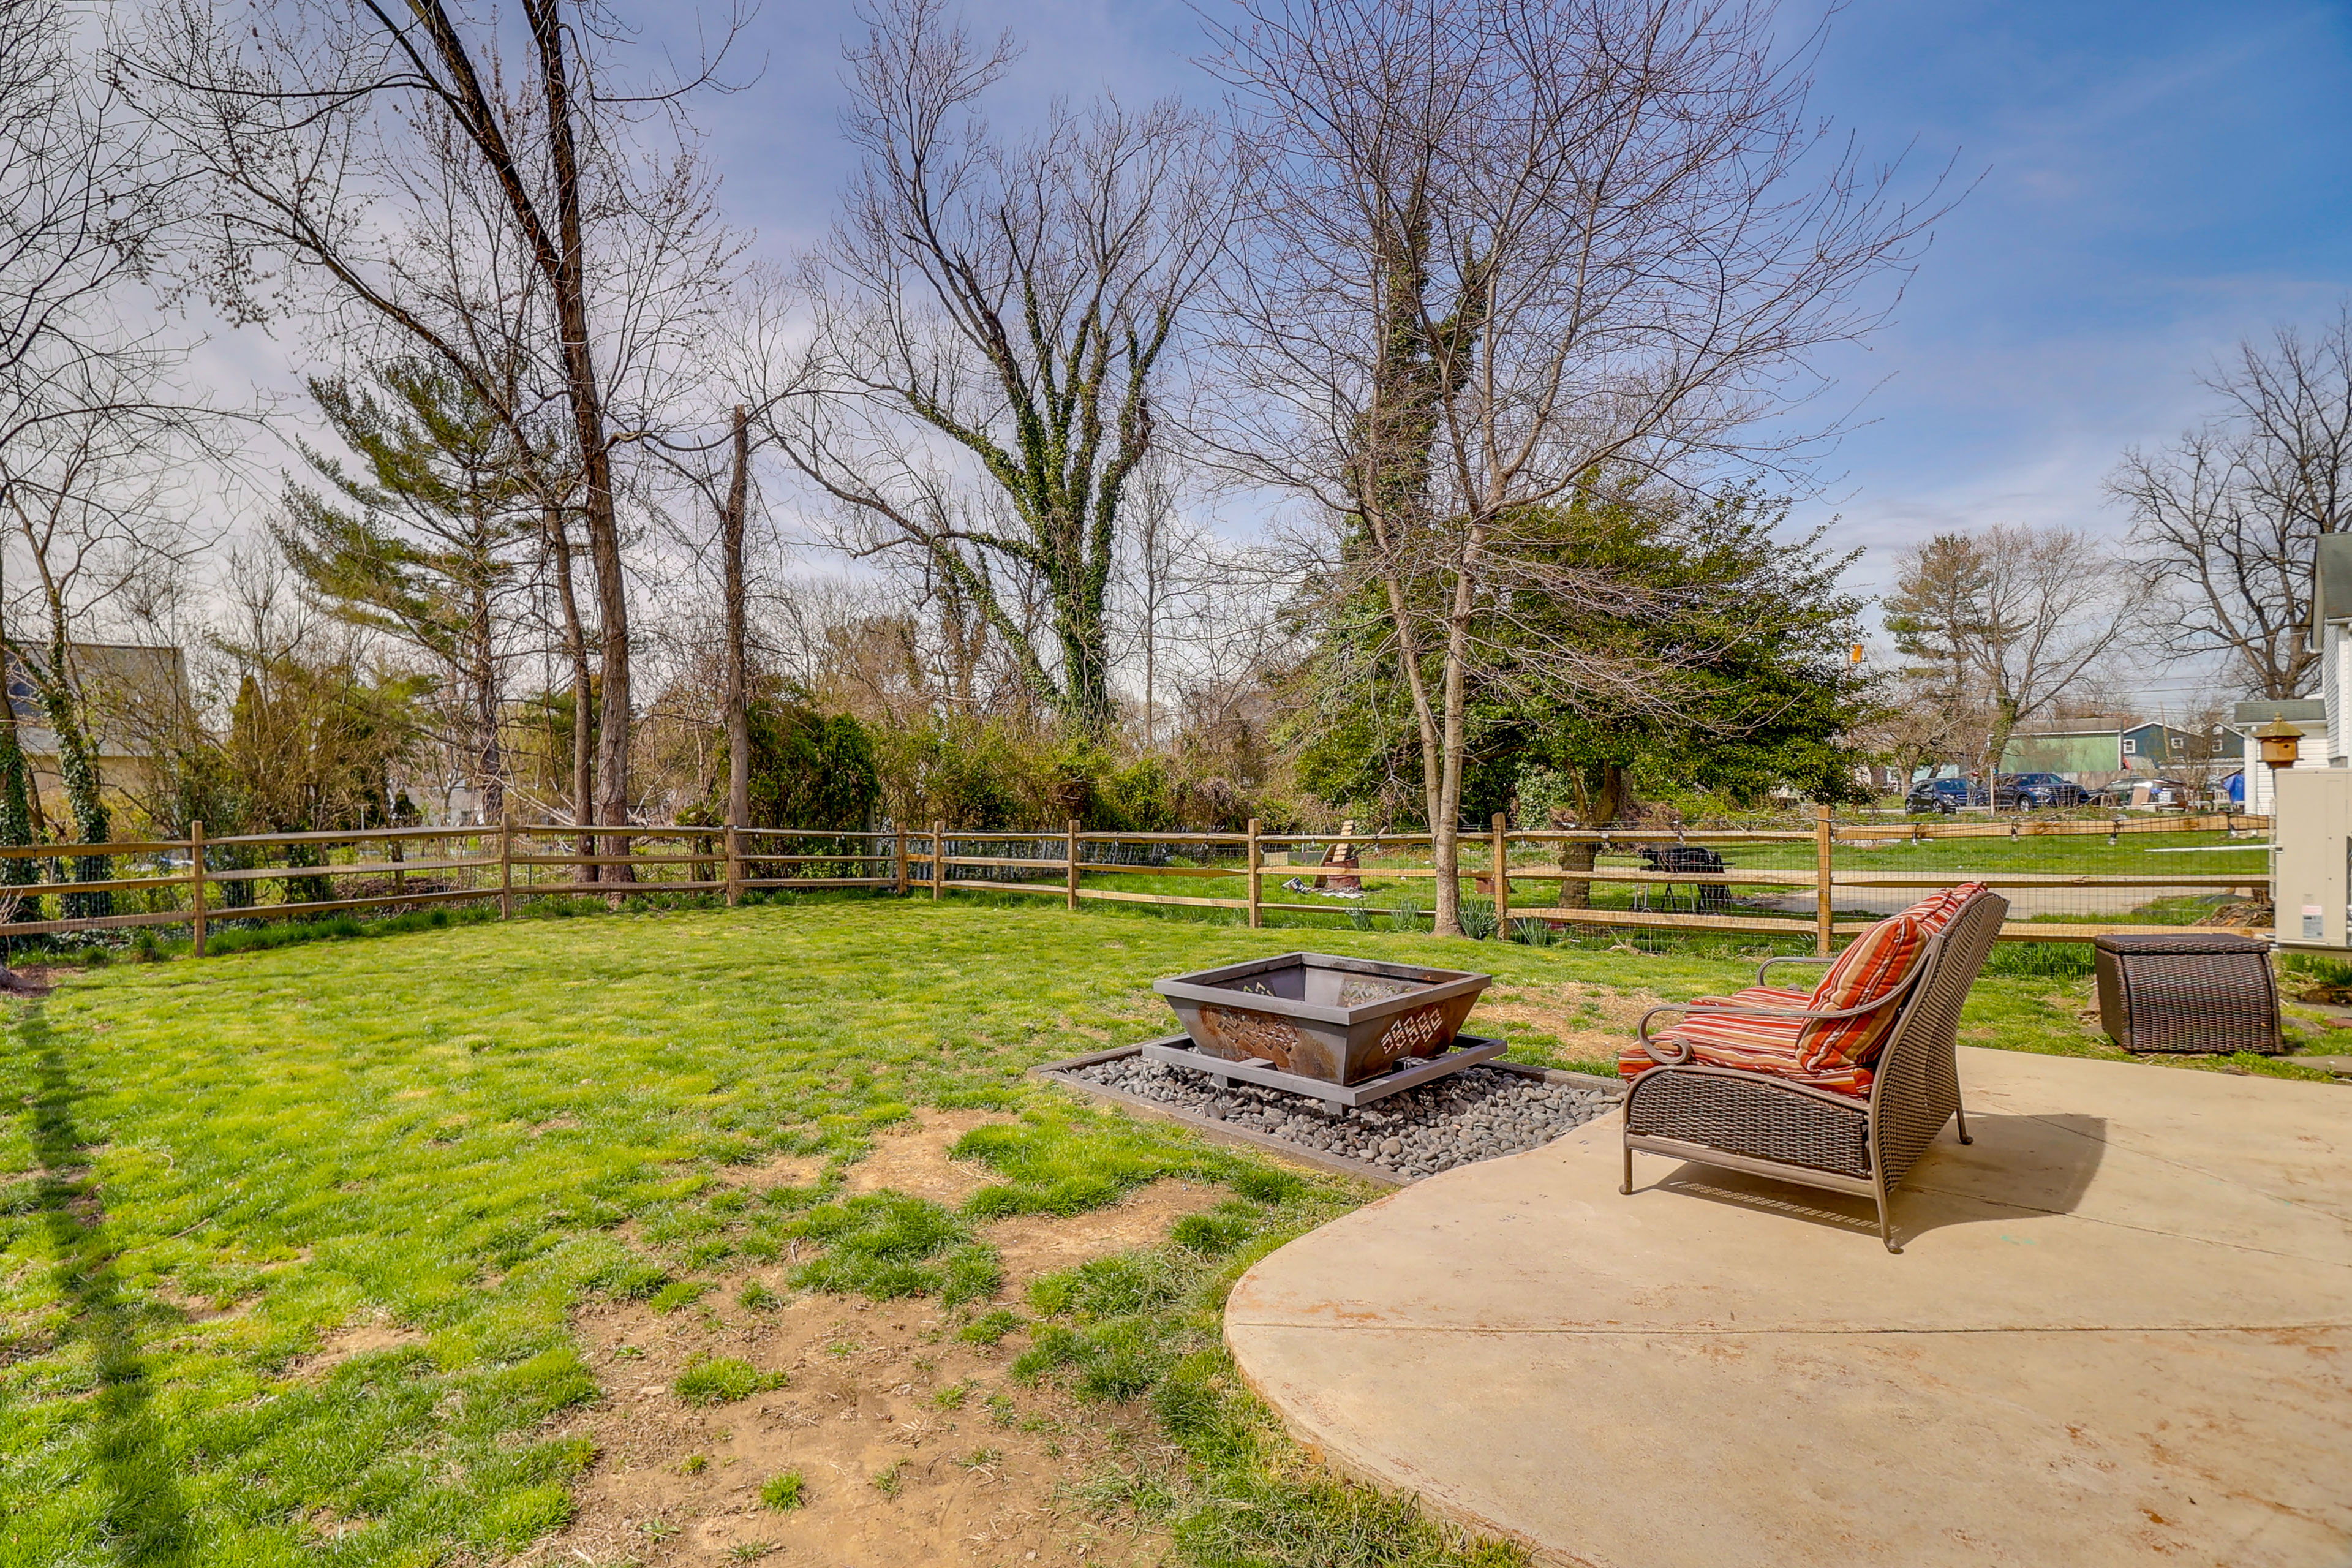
{"x":1415,"y":1033}
{"x":1255,"y":1033}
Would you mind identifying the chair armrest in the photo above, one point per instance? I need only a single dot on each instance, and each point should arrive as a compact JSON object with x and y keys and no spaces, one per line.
{"x":1793,"y":958}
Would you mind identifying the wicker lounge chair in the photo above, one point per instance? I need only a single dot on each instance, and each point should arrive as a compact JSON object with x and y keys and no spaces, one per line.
{"x":1774,"y":1126}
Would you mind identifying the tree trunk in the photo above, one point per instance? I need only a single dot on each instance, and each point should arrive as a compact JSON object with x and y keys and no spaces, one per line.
{"x":489,"y":758}
{"x":738,"y":711}
{"x":1601,"y":815}
{"x":575,"y":641}
{"x":586,"y":400}
{"x":77,"y":768}
{"x":18,"y":878}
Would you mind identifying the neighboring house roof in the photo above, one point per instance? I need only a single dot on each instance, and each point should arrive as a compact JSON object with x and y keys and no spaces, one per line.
{"x":113,"y":679}
{"x":2293,"y":709}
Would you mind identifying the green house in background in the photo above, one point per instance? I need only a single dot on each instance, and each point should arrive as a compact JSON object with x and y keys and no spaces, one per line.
{"x":2096,"y":756}
{"x":2067,"y":752}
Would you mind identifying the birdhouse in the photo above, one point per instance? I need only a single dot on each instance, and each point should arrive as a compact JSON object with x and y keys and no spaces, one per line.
{"x":2281,"y":743}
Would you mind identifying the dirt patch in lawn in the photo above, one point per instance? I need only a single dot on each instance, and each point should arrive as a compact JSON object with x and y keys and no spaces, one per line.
{"x":914,"y":1447}
{"x":784,"y":1170}
{"x":355,"y":1339}
{"x":1038,"y":1244}
{"x":911,"y":1156}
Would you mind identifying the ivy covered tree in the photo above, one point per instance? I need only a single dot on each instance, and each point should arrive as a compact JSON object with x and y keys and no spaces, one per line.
{"x":18,"y":875}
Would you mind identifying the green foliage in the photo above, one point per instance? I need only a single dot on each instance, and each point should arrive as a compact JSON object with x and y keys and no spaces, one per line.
{"x":1477,"y":915}
{"x":808,"y":770}
{"x":16,"y":824}
{"x":722,"y":1379}
{"x":1739,"y":634}
{"x":784,"y":1493}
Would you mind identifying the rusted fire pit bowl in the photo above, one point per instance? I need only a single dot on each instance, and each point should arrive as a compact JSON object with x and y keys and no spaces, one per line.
{"x":1342,"y":1020}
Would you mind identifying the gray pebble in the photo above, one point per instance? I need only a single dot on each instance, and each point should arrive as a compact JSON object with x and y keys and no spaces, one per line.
{"x":1479,"y":1113}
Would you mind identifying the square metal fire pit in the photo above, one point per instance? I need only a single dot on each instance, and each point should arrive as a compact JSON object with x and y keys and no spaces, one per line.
{"x":1316,"y":1016}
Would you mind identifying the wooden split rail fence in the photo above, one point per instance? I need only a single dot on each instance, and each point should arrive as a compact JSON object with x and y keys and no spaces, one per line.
{"x":1495,"y":875}
{"x":205,"y":881}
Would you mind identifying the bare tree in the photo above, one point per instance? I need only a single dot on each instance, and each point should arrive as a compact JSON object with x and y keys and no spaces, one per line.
{"x":94,"y":529}
{"x":388,"y":164}
{"x":85,"y":399}
{"x":2229,"y":513}
{"x":993,"y":319}
{"x":1502,"y":250}
{"x":2022,"y":616}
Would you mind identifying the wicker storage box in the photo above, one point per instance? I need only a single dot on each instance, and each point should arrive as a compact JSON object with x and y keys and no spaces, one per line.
{"x":2193,"y":992}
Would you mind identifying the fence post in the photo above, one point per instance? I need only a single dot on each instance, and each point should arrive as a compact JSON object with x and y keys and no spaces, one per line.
{"x":196,"y":881}
{"x":1256,"y":917}
{"x":734,"y":866}
{"x":938,"y":857}
{"x":1070,"y":862}
{"x":506,"y":864}
{"x":1822,"y":884}
{"x":898,"y":850}
{"x":1502,"y":874}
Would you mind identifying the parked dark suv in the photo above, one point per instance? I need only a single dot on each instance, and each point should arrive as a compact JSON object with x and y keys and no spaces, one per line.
{"x":2030,"y":792}
{"x":1947,"y":795}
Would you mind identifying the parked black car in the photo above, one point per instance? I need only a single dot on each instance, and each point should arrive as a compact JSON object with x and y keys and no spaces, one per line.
{"x":2030,"y":792}
{"x":1947,"y":795}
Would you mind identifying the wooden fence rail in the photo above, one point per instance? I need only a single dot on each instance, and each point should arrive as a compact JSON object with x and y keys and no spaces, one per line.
{"x":207,"y":880}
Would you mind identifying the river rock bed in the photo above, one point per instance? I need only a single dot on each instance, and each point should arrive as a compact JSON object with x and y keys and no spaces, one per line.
{"x":1478,"y":1113}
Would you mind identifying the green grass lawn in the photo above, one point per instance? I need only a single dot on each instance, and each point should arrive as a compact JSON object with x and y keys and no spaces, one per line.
{"x":210,"y":1165}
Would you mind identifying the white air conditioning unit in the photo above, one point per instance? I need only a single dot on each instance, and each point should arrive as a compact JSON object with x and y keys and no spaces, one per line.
{"x":2312,"y":879}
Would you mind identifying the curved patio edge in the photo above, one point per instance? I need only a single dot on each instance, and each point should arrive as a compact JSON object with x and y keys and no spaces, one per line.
{"x":2120,"y":1330}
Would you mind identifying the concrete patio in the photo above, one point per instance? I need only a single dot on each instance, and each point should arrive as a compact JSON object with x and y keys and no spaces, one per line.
{"x":2121,"y":1331}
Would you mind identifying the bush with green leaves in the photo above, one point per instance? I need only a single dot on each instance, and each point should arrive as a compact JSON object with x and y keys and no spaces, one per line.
{"x":784,"y":1492}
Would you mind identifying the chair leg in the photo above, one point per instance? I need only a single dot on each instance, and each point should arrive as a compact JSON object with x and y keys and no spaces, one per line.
{"x":1885,"y":1225}
{"x":1962,"y":1112}
{"x":1628,"y":1185}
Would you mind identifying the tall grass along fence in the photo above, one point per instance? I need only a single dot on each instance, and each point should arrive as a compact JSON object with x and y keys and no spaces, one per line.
{"x":2067,"y":879}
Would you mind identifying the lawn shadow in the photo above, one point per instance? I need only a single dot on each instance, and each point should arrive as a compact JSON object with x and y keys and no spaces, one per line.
{"x":146,"y":1517}
{"x":2017,"y":1165}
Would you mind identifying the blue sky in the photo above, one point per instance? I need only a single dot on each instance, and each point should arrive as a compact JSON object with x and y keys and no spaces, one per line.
{"x":2156,"y":182}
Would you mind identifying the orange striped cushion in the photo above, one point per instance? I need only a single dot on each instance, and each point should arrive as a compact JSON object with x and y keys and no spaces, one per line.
{"x":1875,"y":966}
{"x":1752,"y":1044}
